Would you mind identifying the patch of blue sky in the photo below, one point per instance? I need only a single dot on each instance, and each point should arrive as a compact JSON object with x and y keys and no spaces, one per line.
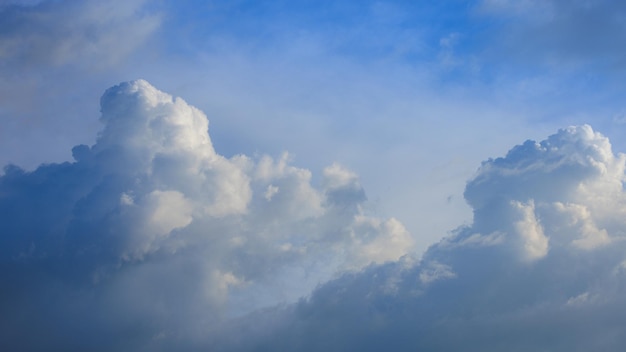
{"x":362,"y":31}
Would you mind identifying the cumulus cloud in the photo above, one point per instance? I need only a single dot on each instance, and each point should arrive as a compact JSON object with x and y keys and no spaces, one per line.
{"x":540,"y":268}
{"x":150,"y":237}
{"x":152,"y":240}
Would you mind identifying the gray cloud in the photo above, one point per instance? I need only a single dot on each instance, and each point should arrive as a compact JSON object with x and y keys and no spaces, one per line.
{"x":562,"y":33}
{"x":91,"y":33}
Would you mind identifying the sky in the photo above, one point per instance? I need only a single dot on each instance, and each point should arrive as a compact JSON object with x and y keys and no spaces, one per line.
{"x":312,"y":175}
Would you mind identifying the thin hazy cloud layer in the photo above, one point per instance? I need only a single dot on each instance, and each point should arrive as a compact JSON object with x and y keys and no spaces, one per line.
{"x":561,"y":33}
{"x":90,"y":34}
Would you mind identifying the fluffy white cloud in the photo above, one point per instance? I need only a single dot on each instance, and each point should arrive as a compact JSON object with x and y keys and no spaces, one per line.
{"x":151,"y":231}
{"x":151,"y":240}
{"x":540,"y":268}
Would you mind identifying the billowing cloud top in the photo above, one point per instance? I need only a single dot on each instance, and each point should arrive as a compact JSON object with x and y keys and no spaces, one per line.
{"x":151,"y":240}
{"x":541,"y":268}
{"x":151,"y":233}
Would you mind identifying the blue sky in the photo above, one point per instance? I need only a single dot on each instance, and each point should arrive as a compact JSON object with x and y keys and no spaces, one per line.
{"x":394,"y":110}
{"x":429,"y":88}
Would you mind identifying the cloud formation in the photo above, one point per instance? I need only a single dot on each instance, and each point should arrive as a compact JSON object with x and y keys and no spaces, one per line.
{"x":92,"y":33}
{"x":56,"y":56}
{"x":561,"y":33}
{"x":150,"y":235}
{"x":152,"y":240}
{"x":540,"y":268}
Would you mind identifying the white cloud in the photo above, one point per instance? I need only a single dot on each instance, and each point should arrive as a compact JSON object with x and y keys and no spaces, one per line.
{"x":534,"y":242}
{"x":534,"y":271}
{"x":151,"y":230}
{"x":583,"y":223}
{"x":152,"y":224}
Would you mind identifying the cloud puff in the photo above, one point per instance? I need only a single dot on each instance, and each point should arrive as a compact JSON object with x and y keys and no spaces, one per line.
{"x":540,"y":268}
{"x":150,"y":236}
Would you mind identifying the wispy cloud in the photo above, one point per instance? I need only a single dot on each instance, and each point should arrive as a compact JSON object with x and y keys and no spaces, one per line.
{"x":91,"y":33}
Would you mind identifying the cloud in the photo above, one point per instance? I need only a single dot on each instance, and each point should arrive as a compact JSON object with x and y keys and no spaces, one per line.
{"x":152,"y":240}
{"x":91,"y":33}
{"x":540,"y":268}
{"x":561,"y":33}
{"x":56,"y":56}
{"x":150,"y":236}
